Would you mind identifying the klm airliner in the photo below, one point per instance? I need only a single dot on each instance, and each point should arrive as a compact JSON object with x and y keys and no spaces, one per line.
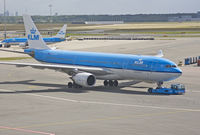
{"x":60,"y":36}
{"x":84,"y":68}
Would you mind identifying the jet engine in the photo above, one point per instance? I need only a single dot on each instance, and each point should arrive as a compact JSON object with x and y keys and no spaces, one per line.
{"x":84,"y":79}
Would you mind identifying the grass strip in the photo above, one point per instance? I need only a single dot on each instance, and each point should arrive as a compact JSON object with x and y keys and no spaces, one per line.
{"x":14,"y":58}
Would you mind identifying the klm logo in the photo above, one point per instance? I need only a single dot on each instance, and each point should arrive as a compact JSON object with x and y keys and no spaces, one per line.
{"x":33,"y":35}
{"x":139,"y":61}
{"x":61,"y":33}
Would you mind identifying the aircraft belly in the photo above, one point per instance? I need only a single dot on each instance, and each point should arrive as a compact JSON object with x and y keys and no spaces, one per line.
{"x":121,"y":74}
{"x":160,"y":76}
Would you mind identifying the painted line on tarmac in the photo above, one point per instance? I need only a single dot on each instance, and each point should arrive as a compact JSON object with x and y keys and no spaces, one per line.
{"x":107,"y":103}
{"x":195,"y":91}
{"x":114,"y":104}
{"x":4,"y":90}
{"x":26,"y":130}
{"x":102,"y":119}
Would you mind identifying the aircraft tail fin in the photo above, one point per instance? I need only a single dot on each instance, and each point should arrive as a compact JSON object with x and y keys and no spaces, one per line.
{"x":62,"y":32}
{"x":35,"y":40}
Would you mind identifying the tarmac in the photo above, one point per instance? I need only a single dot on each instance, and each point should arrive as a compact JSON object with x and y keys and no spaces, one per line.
{"x":38,"y":102}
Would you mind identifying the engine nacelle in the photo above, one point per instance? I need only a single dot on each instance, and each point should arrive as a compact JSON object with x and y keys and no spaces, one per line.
{"x":84,"y":79}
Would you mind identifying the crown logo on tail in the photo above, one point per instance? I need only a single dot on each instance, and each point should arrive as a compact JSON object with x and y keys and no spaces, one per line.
{"x":33,"y":31}
{"x":61,"y":33}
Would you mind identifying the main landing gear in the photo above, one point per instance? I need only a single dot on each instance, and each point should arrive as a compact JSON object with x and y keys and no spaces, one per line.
{"x":110,"y":83}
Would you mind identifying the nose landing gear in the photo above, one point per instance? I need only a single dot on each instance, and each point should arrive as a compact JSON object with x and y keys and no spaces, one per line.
{"x":159,"y":85}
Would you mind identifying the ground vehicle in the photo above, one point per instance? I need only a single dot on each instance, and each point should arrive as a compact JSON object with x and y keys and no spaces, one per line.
{"x":175,"y":89}
{"x":7,"y":45}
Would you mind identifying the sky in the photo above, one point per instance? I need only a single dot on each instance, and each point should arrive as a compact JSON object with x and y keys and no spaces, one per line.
{"x":74,"y":7}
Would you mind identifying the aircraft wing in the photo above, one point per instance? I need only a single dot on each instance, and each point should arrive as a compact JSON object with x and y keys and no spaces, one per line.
{"x":69,"y":69}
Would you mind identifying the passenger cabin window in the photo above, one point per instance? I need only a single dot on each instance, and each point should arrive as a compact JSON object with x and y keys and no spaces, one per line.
{"x":170,"y":66}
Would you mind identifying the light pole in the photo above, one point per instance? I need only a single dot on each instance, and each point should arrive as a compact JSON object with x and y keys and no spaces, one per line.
{"x":5,"y":19}
{"x":50,"y":18}
{"x":50,"y":6}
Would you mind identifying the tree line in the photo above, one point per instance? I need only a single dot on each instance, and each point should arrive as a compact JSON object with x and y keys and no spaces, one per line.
{"x":83,"y":18}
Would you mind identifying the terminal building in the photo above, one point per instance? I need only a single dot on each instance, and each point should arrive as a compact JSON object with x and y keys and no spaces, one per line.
{"x":104,"y":22}
{"x":185,"y":18}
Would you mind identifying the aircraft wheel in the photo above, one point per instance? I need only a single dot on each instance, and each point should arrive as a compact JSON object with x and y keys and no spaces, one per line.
{"x":105,"y":83}
{"x":159,"y":85}
{"x":75,"y":85}
{"x":110,"y":83}
{"x":70,"y":85}
{"x":79,"y":86}
{"x":150,"y":90}
{"x":115,"y":83}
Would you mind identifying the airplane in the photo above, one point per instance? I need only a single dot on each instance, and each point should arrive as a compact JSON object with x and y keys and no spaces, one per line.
{"x":84,"y":68}
{"x":60,"y":36}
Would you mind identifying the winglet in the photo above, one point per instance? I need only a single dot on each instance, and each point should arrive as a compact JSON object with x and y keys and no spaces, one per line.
{"x":62,"y":32}
{"x":160,"y":54}
{"x":35,"y":40}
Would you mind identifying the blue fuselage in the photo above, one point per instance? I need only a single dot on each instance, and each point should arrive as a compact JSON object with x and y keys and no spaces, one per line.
{"x":24,"y":40}
{"x":104,"y":60}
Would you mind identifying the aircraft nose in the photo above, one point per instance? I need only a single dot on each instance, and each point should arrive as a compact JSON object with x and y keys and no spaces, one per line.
{"x":178,"y":70}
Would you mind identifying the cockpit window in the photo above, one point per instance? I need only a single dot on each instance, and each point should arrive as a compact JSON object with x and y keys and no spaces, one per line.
{"x":170,"y":66}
